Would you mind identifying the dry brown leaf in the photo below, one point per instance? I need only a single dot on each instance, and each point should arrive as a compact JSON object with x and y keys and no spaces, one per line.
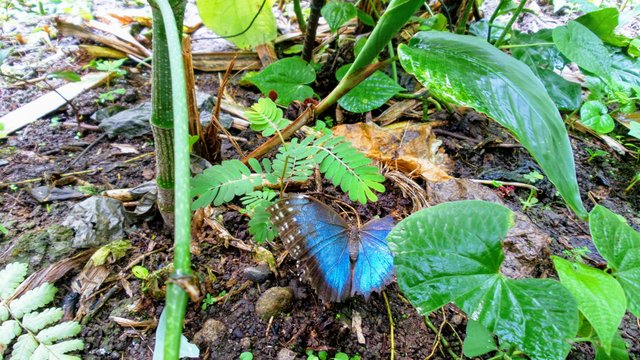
{"x":409,"y":148}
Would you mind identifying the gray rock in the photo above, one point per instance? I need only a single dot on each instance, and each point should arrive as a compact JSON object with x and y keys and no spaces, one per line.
{"x":286,"y":354}
{"x":39,"y":247}
{"x":96,"y":221}
{"x":273,"y":302}
{"x":129,"y":123}
{"x":245,"y":343}
{"x":212,"y":332}
{"x":257,"y":274}
{"x":104,"y":113}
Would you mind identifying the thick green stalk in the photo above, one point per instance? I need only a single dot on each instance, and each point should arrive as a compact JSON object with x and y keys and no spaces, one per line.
{"x":298,"y":10}
{"x":397,"y":14}
{"x":162,"y":108}
{"x":176,"y":296}
{"x":507,"y":30}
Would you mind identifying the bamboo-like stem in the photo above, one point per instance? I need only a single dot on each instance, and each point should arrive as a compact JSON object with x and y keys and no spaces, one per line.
{"x":462,"y":21}
{"x":176,"y":296}
{"x":312,"y":26}
{"x":507,"y":30}
{"x":299,"y":17}
{"x":162,"y":107}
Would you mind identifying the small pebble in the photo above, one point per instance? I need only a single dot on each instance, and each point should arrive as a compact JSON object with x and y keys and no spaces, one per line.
{"x":286,"y":354}
{"x":211,"y":333}
{"x":273,"y":302}
{"x":258,"y":274}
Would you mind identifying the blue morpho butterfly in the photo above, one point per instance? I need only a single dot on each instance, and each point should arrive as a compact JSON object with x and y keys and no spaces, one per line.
{"x":339,"y":260}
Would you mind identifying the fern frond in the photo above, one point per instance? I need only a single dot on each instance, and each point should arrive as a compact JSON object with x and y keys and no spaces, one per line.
{"x":32,"y":300}
{"x":58,"y":351}
{"x":295,"y":161}
{"x":256,"y":198}
{"x":36,"y":321}
{"x":348,"y":168}
{"x":24,"y":347}
{"x":8,"y":331}
{"x":4,"y":313}
{"x":10,"y":277}
{"x":266,"y":117}
{"x":221,"y":183}
{"x":58,"y":332}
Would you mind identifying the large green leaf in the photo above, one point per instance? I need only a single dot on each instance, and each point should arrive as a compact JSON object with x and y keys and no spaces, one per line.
{"x":337,"y":13}
{"x":546,"y":56}
{"x":583,"y":47}
{"x":452,"y":253}
{"x":227,"y":18}
{"x":603,"y":23}
{"x":600,"y":298}
{"x":618,"y":350}
{"x":565,"y":94}
{"x":625,"y":69}
{"x":595,"y":115}
{"x":470,"y":72}
{"x":619,"y":244}
{"x":370,"y":94}
{"x":288,"y":78}
{"x":478,"y":340}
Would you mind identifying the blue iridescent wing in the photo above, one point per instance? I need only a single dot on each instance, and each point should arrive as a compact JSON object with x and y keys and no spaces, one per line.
{"x":318,"y":238}
{"x":374,"y":267}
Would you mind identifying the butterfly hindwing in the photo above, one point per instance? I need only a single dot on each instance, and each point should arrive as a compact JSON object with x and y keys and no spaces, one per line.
{"x":318,"y":238}
{"x":374,"y":267}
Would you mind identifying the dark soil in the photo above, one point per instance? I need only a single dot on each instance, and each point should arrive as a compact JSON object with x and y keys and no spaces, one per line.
{"x":45,"y":150}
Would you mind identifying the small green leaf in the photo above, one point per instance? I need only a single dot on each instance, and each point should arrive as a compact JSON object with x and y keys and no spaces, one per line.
{"x":66,"y":75}
{"x":337,"y":13}
{"x":478,"y":341}
{"x":366,"y":18}
{"x":583,"y":47}
{"x":634,"y":48}
{"x":288,"y":78}
{"x":294,"y":49}
{"x":3,"y":229}
{"x":227,"y":18}
{"x":113,"y":250}
{"x":618,"y":350}
{"x":246,"y":356}
{"x":140,"y":272}
{"x":370,"y":94}
{"x":438,"y":22}
{"x":266,"y":117}
{"x":595,"y":115}
{"x":619,"y":244}
{"x":4,"y":53}
{"x":600,"y":297}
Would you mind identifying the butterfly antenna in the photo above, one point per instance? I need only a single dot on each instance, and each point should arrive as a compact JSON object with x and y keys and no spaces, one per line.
{"x":353,"y":210}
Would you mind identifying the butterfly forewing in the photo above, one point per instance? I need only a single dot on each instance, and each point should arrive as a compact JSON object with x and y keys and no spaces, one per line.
{"x":374,"y":268}
{"x":318,"y":238}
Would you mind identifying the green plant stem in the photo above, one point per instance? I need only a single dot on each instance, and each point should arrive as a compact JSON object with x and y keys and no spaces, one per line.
{"x":511,"y":46}
{"x":444,"y":341}
{"x":298,"y":10}
{"x":176,"y":296}
{"x":391,"y":327}
{"x":493,"y":18}
{"x":507,"y":30}
{"x":162,"y":107}
{"x":312,"y":26}
{"x":394,"y":68}
{"x":462,"y":22}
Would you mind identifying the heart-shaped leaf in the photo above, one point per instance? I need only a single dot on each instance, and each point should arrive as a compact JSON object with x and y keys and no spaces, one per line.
{"x":288,"y":78}
{"x":337,"y":13}
{"x":236,"y":18}
{"x":619,"y":244}
{"x":603,"y":23}
{"x":584,"y":48}
{"x":370,"y":94}
{"x":478,"y":340}
{"x":470,"y":72}
{"x":600,"y":298}
{"x":595,"y":115}
{"x":452,"y":253}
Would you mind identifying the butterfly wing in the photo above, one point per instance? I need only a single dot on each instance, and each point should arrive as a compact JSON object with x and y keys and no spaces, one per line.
{"x":318,"y":238}
{"x":374,"y":267}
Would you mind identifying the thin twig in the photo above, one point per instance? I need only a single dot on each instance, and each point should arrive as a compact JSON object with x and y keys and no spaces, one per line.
{"x":84,"y":152}
{"x":391,"y":328}
{"x":507,"y":183}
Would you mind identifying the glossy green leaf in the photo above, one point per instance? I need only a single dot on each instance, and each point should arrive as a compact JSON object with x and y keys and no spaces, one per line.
{"x":625,"y":69}
{"x":478,"y":340}
{"x":337,"y":13}
{"x":547,"y":56}
{"x":437,"y":22}
{"x":468,"y":71}
{"x":583,"y":47}
{"x":370,"y":94}
{"x":565,"y":94}
{"x":603,"y":23}
{"x":288,"y":78}
{"x":619,"y":244}
{"x":600,"y":298}
{"x":634,"y":48}
{"x":595,"y":115}
{"x":634,"y":129}
{"x":618,"y":350}
{"x":366,"y":18}
{"x":452,"y":253}
{"x":227,"y":18}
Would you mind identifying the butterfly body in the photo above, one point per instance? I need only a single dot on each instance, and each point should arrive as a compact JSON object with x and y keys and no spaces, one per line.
{"x":340,"y":260}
